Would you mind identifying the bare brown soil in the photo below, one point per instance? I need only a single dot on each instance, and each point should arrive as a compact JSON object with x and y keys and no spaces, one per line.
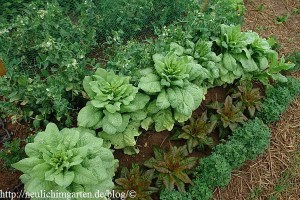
{"x":147,"y":140}
{"x":263,"y":22}
{"x":9,"y":179}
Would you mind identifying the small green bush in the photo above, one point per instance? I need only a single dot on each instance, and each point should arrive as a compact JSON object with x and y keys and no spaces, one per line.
{"x":278,"y":98}
{"x":234,"y":152}
{"x":214,"y":171}
{"x":254,"y":135}
{"x":172,"y":195}
{"x":246,"y":142}
{"x":200,"y":190}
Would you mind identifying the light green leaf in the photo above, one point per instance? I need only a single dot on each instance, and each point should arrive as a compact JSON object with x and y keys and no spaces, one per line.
{"x":176,"y":48}
{"x":164,"y":120}
{"x":229,"y":62}
{"x":87,"y":87}
{"x":34,"y":150}
{"x":162,"y":101}
{"x":175,"y":96}
{"x":49,"y":136}
{"x":180,"y":117}
{"x":114,"y":118}
{"x":138,"y":103}
{"x":124,"y":139}
{"x":263,"y":63}
{"x":64,"y":179}
{"x":279,"y":77}
{"x":150,"y":83}
{"x":152,"y":107}
{"x":146,"y":123}
{"x":249,"y":65}
{"x":84,"y":176}
{"x":37,"y":185}
{"x":70,"y":137}
{"x":27,"y":164}
{"x":138,"y":115}
{"x":89,"y":116}
{"x":125,"y":122}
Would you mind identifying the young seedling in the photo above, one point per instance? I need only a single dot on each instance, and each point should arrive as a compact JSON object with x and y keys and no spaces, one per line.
{"x":281,"y":19}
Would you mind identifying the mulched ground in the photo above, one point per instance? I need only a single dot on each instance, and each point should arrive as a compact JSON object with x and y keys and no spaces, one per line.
{"x":259,"y":179}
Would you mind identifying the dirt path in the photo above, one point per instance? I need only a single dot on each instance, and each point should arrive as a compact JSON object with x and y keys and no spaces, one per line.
{"x":276,"y":174}
{"x":261,"y":17}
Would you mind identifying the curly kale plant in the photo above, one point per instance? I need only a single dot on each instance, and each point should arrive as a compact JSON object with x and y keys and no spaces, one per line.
{"x":249,"y":97}
{"x":70,"y":160}
{"x":196,"y":133}
{"x":137,"y":181}
{"x":173,"y":167}
{"x":171,"y":84}
{"x":115,"y":106}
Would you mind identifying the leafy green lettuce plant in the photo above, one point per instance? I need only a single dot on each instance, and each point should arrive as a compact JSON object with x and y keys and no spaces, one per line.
{"x":70,"y":160}
{"x":236,"y":57}
{"x":171,"y":84}
{"x":246,"y":54}
{"x":115,"y":106}
{"x":202,"y":52}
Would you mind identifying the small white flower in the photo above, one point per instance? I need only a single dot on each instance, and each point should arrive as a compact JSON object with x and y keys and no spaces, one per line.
{"x":3,"y":31}
{"x":74,"y":63}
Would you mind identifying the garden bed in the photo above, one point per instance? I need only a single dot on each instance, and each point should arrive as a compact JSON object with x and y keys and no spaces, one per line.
{"x":228,"y":58}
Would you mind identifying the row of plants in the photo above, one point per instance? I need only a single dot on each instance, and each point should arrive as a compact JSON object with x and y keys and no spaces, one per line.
{"x":45,"y":47}
{"x":69,"y":160}
{"x":168,"y":92}
{"x":160,"y":95}
{"x":246,"y":143}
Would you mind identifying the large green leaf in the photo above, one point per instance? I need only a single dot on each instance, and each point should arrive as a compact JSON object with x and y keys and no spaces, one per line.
{"x":138,"y":103}
{"x":248,"y":64}
{"x":49,"y":136}
{"x":89,"y":116}
{"x":123,"y":139}
{"x":65,"y":179}
{"x":229,"y":62}
{"x":162,"y":101}
{"x":84,"y":176}
{"x":87,"y":86}
{"x":163,"y":120}
{"x":150,"y":83}
{"x":27,"y":164}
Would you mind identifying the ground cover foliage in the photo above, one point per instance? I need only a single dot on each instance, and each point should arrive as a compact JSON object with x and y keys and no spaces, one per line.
{"x":45,"y":47}
{"x":154,"y":84}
